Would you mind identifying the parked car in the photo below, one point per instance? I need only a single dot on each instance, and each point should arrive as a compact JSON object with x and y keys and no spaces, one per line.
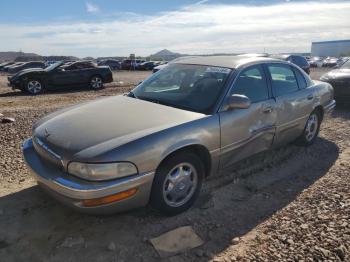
{"x":147,"y":65}
{"x":111,"y":63}
{"x":295,"y":59}
{"x":61,"y":75}
{"x":32,"y":64}
{"x":2,"y":65}
{"x":131,"y":64}
{"x":340,"y":80}
{"x":332,"y":62}
{"x":7,"y":67}
{"x":189,"y":121}
{"x":160,"y":67}
{"x":316,"y":61}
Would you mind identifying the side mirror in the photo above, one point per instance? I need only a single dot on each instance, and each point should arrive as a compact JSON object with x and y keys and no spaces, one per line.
{"x":237,"y":102}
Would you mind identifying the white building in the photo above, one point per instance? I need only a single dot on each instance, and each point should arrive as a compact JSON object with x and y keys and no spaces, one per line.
{"x":331,"y":48}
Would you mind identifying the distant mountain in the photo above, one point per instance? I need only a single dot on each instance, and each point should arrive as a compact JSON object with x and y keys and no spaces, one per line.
{"x":24,"y":57}
{"x":11,"y":56}
{"x":166,"y":55}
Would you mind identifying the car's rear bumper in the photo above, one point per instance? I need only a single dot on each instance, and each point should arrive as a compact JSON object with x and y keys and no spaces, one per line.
{"x":73,"y":191}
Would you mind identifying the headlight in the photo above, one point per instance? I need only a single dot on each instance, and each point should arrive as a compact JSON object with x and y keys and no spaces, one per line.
{"x":98,"y":172}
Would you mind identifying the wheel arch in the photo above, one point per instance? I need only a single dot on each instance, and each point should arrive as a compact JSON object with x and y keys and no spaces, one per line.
{"x":320,"y":110}
{"x":201,"y":151}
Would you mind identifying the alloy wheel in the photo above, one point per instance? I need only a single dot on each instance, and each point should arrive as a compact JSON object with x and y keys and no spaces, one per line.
{"x":34,"y":87}
{"x":96,"y":82}
{"x":180,"y":184}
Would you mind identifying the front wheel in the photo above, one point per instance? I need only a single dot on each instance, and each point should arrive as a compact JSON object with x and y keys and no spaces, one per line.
{"x":34,"y":87}
{"x":177,"y":183}
{"x":311,"y":129}
{"x":96,"y":82}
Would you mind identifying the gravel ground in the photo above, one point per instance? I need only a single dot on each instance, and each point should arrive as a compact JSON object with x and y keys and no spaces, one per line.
{"x":289,"y":204}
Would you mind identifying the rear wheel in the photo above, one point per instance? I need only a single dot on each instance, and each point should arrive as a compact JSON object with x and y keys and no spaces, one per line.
{"x":96,"y":82}
{"x":177,"y":183}
{"x":311,"y":129}
{"x":34,"y":87}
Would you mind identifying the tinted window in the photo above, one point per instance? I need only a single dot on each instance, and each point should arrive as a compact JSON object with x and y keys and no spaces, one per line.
{"x":251,"y":83}
{"x":282,"y":79}
{"x":301,"y":79}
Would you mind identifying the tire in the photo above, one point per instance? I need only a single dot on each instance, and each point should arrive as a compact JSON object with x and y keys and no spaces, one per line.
{"x":34,"y":87}
{"x":177,"y":183}
{"x":96,"y":82}
{"x":311,"y":129}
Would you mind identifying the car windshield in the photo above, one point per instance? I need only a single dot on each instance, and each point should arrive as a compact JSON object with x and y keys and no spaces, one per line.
{"x":346,"y":65}
{"x":190,"y":87}
{"x":53,"y":66}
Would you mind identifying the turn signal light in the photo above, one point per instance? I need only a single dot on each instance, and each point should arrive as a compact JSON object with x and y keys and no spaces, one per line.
{"x":109,"y":199}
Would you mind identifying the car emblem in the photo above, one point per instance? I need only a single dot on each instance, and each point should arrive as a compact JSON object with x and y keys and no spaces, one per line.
{"x":47,"y":134}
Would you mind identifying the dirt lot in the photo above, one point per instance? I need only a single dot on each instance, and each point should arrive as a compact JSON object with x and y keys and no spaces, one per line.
{"x":290,"y":204}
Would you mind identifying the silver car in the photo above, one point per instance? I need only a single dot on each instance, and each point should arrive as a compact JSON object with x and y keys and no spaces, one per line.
{"x":186,"y":122}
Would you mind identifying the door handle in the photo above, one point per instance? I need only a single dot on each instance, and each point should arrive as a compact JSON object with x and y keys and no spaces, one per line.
{"x":267,"y":109}
{"x":309,"y":97}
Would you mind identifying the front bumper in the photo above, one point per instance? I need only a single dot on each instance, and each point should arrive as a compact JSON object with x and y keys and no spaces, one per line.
{"x":330,"y":107}
{"x":72,"y":191}
{"x":14,"y":84}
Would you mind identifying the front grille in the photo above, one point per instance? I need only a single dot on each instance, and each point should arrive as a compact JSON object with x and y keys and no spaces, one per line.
{"x":46,"y":153}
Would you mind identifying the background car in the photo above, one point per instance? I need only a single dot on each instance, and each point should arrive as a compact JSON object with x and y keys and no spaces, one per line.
{"x":316,"y":61}
{"x":2,"y":65}
{"x":340,"y":81}
{"x":149,"y":65}
{"x":131,"y":64}
{"x":7,"y":67}
{"x":160,"y":67}
{"x":111,"y":63}
{"x":295,"y":59}
{"x":61,"y":75}
{"x":32,"y":64}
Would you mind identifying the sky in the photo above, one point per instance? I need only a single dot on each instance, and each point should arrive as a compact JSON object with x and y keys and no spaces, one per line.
{"x":118,"y":27}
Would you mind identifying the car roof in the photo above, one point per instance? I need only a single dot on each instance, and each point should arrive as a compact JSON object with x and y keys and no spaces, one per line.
{"x":223,"y":61}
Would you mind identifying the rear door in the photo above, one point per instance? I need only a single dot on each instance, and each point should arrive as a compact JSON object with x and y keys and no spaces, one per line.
{"x":245,"y":132}
{"x":293,"y":101}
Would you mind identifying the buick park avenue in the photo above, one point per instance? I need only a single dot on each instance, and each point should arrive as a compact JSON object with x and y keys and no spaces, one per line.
{"x":157,"y":144}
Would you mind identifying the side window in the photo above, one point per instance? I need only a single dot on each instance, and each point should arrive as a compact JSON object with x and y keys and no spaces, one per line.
{"x":252,"y":83}
{"x":282,"y":79}
{"x":301,"y":79}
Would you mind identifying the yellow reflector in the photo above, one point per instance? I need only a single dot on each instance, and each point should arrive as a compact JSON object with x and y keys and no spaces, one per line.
{"x":109,"y":199}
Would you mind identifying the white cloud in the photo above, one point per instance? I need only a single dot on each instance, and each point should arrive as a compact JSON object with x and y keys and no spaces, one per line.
{"x":194,"y":29}
{"x":91,"y":8}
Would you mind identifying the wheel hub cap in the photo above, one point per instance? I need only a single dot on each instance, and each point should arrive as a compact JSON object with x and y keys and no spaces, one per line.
{"x":311,"y":127}
{"x":34,"y":87}
{"x":180,"y":184}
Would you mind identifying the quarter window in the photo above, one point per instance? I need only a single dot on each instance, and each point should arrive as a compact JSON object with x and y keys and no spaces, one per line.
{"x":252,"y":83}
{"x":282,"y":79}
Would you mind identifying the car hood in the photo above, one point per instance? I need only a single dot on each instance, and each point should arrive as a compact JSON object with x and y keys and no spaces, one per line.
{"x":113,"y":121}
{"x":337,"y":74}
{"x":26,"y":71}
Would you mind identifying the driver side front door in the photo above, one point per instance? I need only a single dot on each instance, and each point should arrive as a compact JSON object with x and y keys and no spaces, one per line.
{"x":245,"y":132}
